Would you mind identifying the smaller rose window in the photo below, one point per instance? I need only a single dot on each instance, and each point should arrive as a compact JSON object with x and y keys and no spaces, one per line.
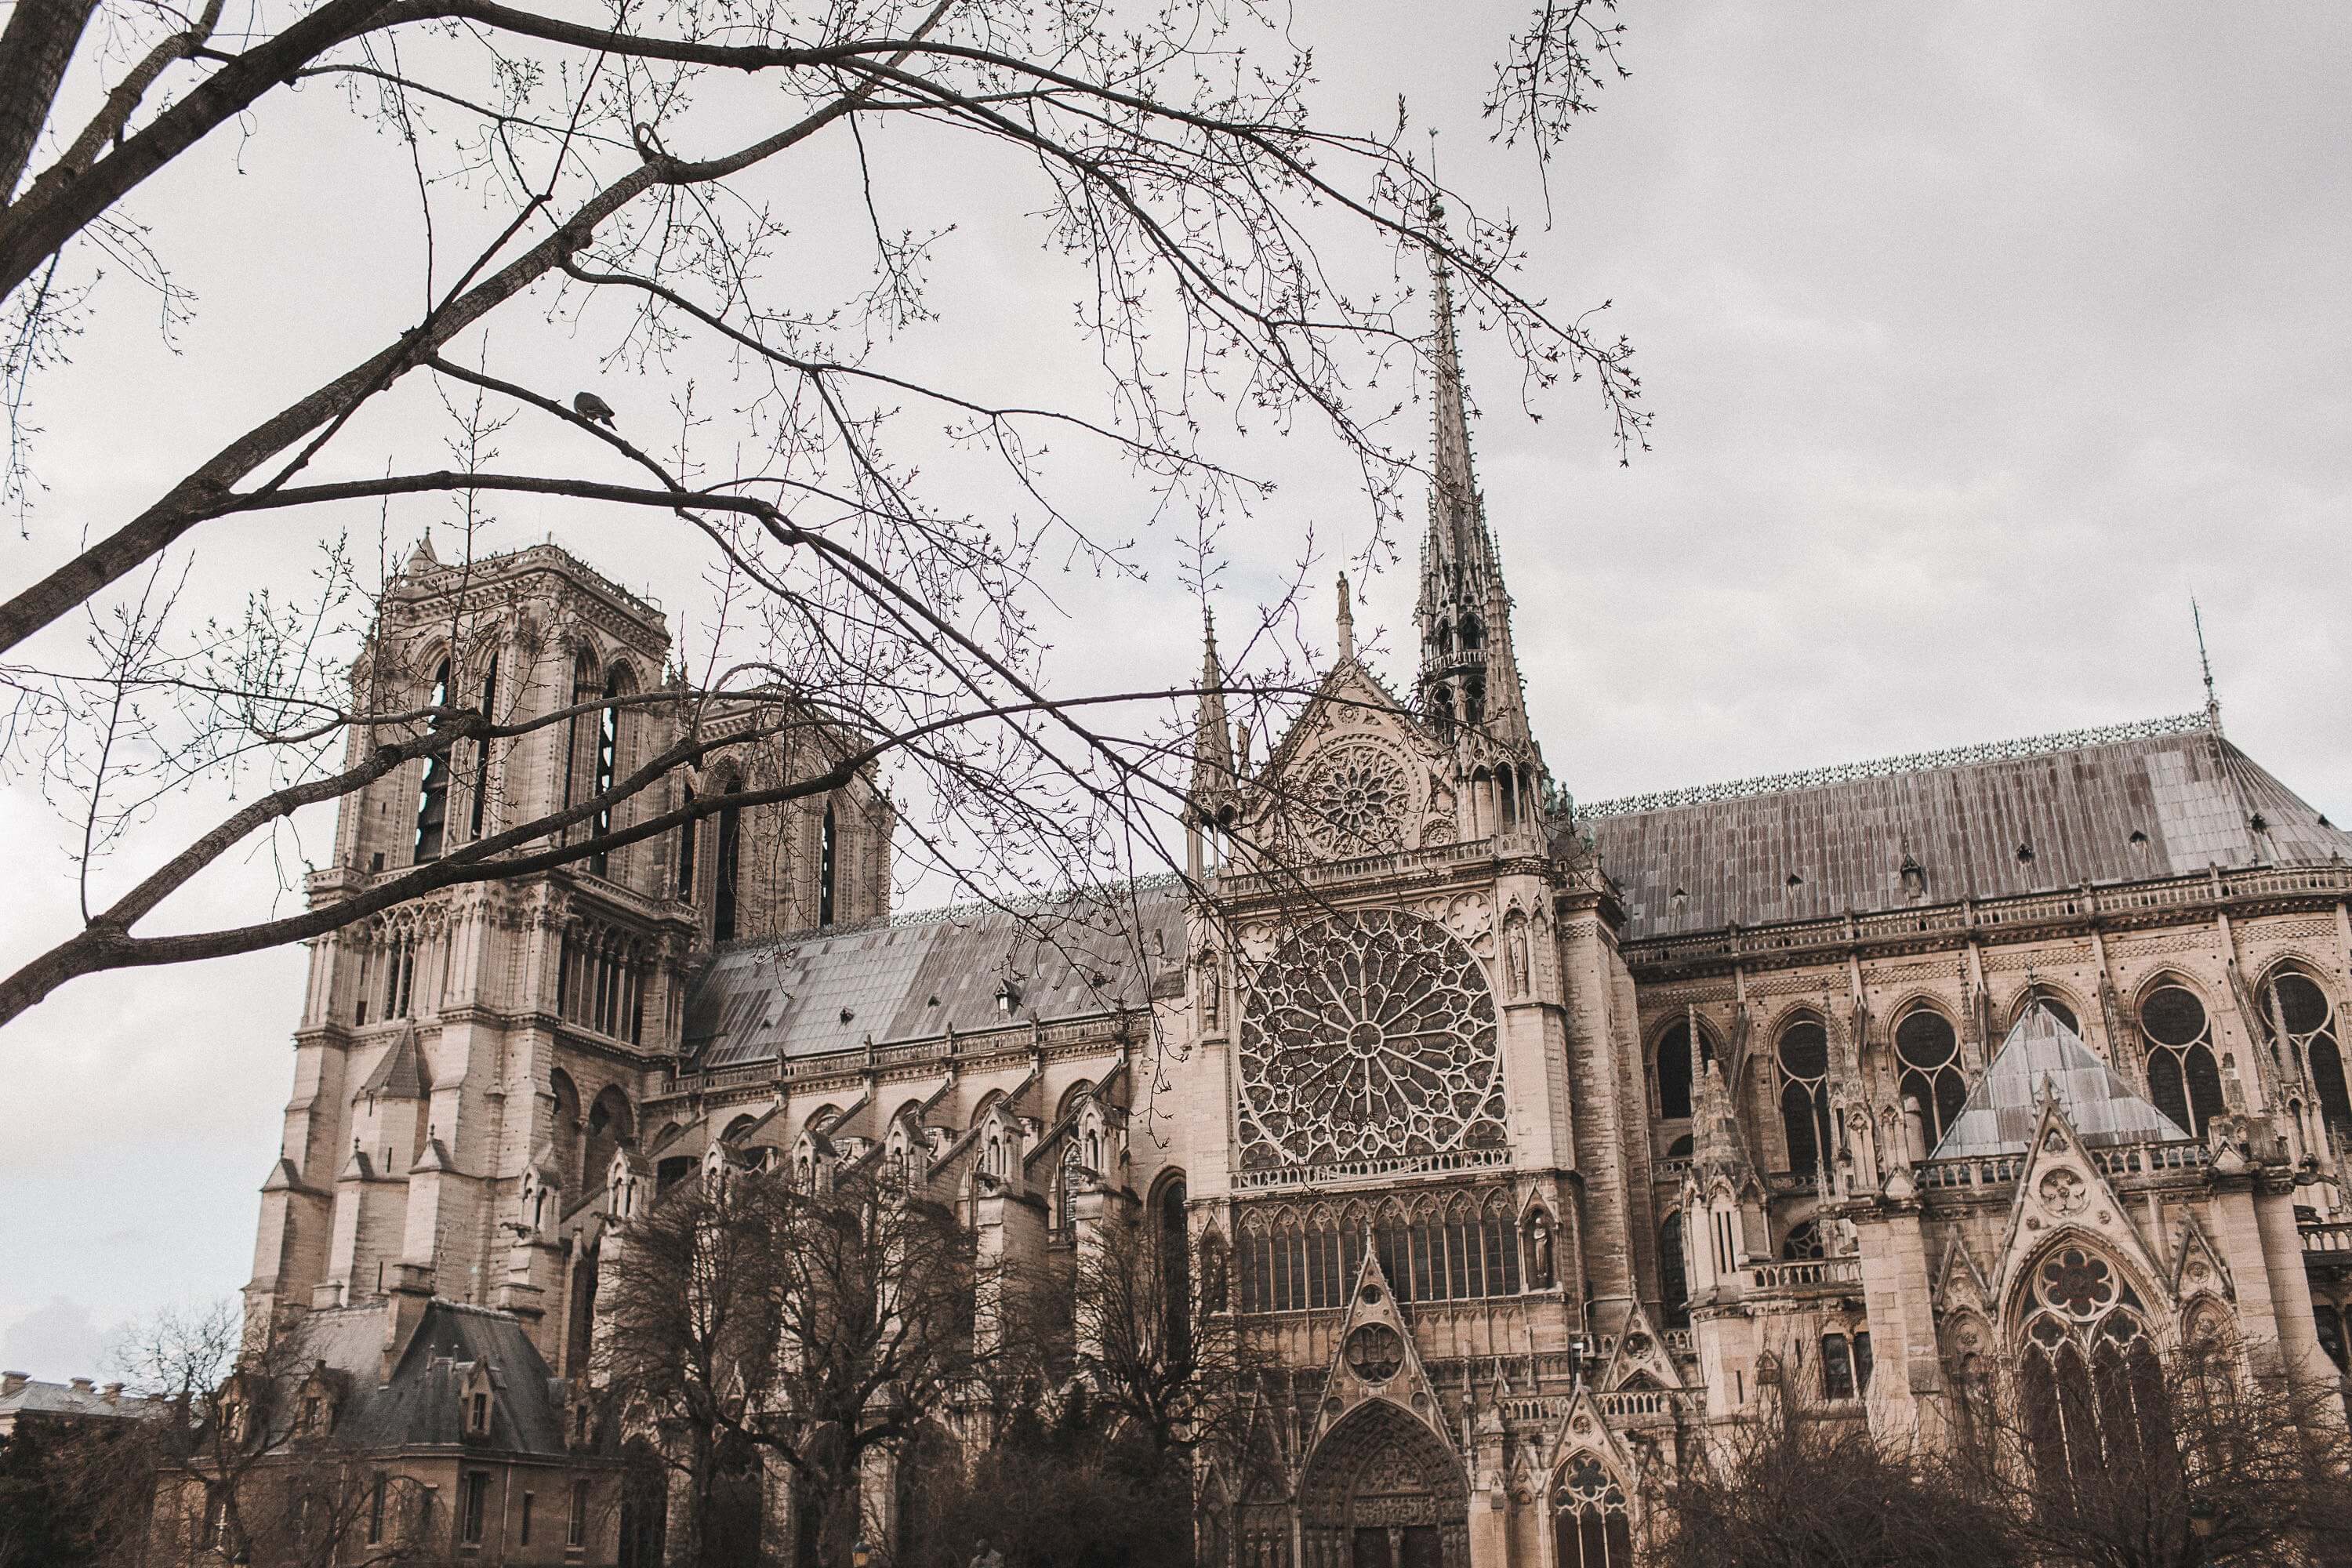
{"x":2077,"y":1284}
{"x":1354,"y":801}
{"x":1375,"y":1352}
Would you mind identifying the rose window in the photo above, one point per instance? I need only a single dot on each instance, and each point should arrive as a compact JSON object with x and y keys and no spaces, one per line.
{"x":1354,"y":801}
{"x":1375,"y":1351}
{"x":2077,"y":1284}
{"x":1369,"y":1036}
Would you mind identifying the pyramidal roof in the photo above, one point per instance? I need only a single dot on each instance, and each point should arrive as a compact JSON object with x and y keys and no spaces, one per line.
{"x":2041,"y":1052}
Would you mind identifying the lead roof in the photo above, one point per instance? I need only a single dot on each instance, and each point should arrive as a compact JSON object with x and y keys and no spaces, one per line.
{"x":2144,"y":802}
{"x":915,"y":977}
{"x":1836,"y":843}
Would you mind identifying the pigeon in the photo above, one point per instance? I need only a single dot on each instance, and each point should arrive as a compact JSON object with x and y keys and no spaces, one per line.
{"x":594,"y":409}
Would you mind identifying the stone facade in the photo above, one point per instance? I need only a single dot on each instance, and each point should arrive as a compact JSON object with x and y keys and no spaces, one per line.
{"x":1536,"y":1138}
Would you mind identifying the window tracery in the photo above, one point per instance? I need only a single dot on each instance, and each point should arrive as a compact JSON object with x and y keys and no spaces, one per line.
{"x":1929,"y":1052}
{"x":1355,"y":799}
{"x":2303,"y":1013}
{"x":2093,"y":1390}
{"x":1462,"y":1247}
{"x":1803,"y":1055}
{"x":1589,"y":1522}
{"x":1368,"y":1035}
{"x":2184,"y":1080}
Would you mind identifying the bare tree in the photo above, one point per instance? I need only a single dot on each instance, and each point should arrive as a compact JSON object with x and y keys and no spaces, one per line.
{"x":1792,"y":1487}
{"x":2119,"y":1458}
{"x":746,"y":1320}
{"x":1157,"y":1359}
{"x":630,"y":173}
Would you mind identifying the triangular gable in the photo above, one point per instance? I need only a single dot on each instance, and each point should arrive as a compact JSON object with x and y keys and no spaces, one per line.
{"x":2041,"y":1054}
{"x":2197,"y":1265}
{"x":1377,"y":1367}
{"x":1584,"y":1429}
{"x":1961,"y":1284}
{"x":2061,"y":1190}
{"x":1640,"y":1351}
{"x":1350,"y":685}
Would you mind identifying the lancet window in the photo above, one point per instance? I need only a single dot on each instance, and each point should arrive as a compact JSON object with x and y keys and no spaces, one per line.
{"x":2184,"y":1081}
{"x":1456,"y":1248}
{"x":2094,"y":1397}
{"x":2302,"y":1013}
{"x":433,"y":799}
{"x":1674,"y":1278}
{"x":1929,"y":1052}
{"x":617,"y":686}
{"x":1590,"y":1525}
{"x":482,"y":750}
{"x":1673,"y":1069}
{"x":1805,"y":1060}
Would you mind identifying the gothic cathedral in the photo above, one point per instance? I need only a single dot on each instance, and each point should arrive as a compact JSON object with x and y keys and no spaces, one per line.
{"x":1535,"y":1135}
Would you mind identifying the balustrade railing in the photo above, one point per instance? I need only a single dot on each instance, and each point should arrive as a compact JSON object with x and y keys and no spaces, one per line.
{"x":2327,"y":1239}
{"x":1810,"y":1271}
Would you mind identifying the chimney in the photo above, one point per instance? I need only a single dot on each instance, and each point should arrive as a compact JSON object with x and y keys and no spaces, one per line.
{"x":111,"y":1392}
{"x":84,"y":1385}
{"x":410,"y":1291}
{"x":13,"y":1382}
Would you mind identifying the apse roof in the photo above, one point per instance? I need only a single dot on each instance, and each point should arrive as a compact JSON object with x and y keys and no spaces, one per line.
{"x":2005,"y":1106}
{"x":913,"y":977}
{"x":2166,"y":797}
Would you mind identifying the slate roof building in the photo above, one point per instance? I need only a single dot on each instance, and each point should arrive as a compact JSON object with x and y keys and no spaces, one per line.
{"x":1632,"y":1108}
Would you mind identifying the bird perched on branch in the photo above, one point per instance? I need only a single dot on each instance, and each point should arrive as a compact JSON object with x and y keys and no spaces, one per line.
{"x":594,"y":409}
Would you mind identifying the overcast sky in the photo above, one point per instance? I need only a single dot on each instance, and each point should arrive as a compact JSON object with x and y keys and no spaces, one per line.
{"x":1979,"y":338}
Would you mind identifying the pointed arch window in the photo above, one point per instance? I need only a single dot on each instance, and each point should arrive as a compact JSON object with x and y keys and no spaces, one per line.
{"x":482,"y":750}
{"x":2183,"y":1078}
{"x":827,"y":852}
{"x":685,"y":851}
{"x":2094,"y":1397}
{"x":2303,"y":1013}
{"x":1803,"y":1055}
{"x":1674,"y":1279}
{"x":1929,"y":1053}
{"x":2042,"y":997}
{"x":727,"y":872}
{"x":1674,"y":1068}
{"x":433,"y":798}
{"x":579,"y":740}
{"x":617,"y":686}
{"x":1589,"y":1524}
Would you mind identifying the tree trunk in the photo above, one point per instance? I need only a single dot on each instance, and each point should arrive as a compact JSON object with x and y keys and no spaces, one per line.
{"x":34,"y":53}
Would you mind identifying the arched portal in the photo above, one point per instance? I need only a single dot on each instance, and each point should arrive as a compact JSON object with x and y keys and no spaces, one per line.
{"x":1384,"y":1491}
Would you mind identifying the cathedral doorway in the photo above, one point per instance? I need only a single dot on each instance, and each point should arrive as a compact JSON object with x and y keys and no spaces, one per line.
{"x":1384,"y":1491}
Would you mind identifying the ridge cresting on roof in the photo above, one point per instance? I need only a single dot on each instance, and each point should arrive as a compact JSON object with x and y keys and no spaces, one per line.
{"x":1889,"y":767}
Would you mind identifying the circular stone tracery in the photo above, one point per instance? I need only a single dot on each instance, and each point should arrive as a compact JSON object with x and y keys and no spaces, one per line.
{"x":1369,"y":1036}
{"x":1355,"y":800}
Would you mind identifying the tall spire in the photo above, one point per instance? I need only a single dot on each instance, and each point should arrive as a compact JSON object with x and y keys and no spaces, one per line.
{"x":1213,"y":741}
{"x":1208,"y":803}
{"x":1469,"y":675}
{"x":1347,"y":622}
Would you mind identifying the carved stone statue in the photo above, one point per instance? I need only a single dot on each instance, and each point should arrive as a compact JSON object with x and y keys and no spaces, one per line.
{"x":1539,"y":1263}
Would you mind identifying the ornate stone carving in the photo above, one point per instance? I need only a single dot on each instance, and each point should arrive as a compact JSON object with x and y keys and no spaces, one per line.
{"x":1369,"y":1036}
{"x":1354,"y":800}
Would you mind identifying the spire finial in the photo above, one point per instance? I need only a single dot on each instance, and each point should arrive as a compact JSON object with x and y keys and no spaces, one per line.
{"x":1347,"y":621}
{"x":2204,"y":663}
